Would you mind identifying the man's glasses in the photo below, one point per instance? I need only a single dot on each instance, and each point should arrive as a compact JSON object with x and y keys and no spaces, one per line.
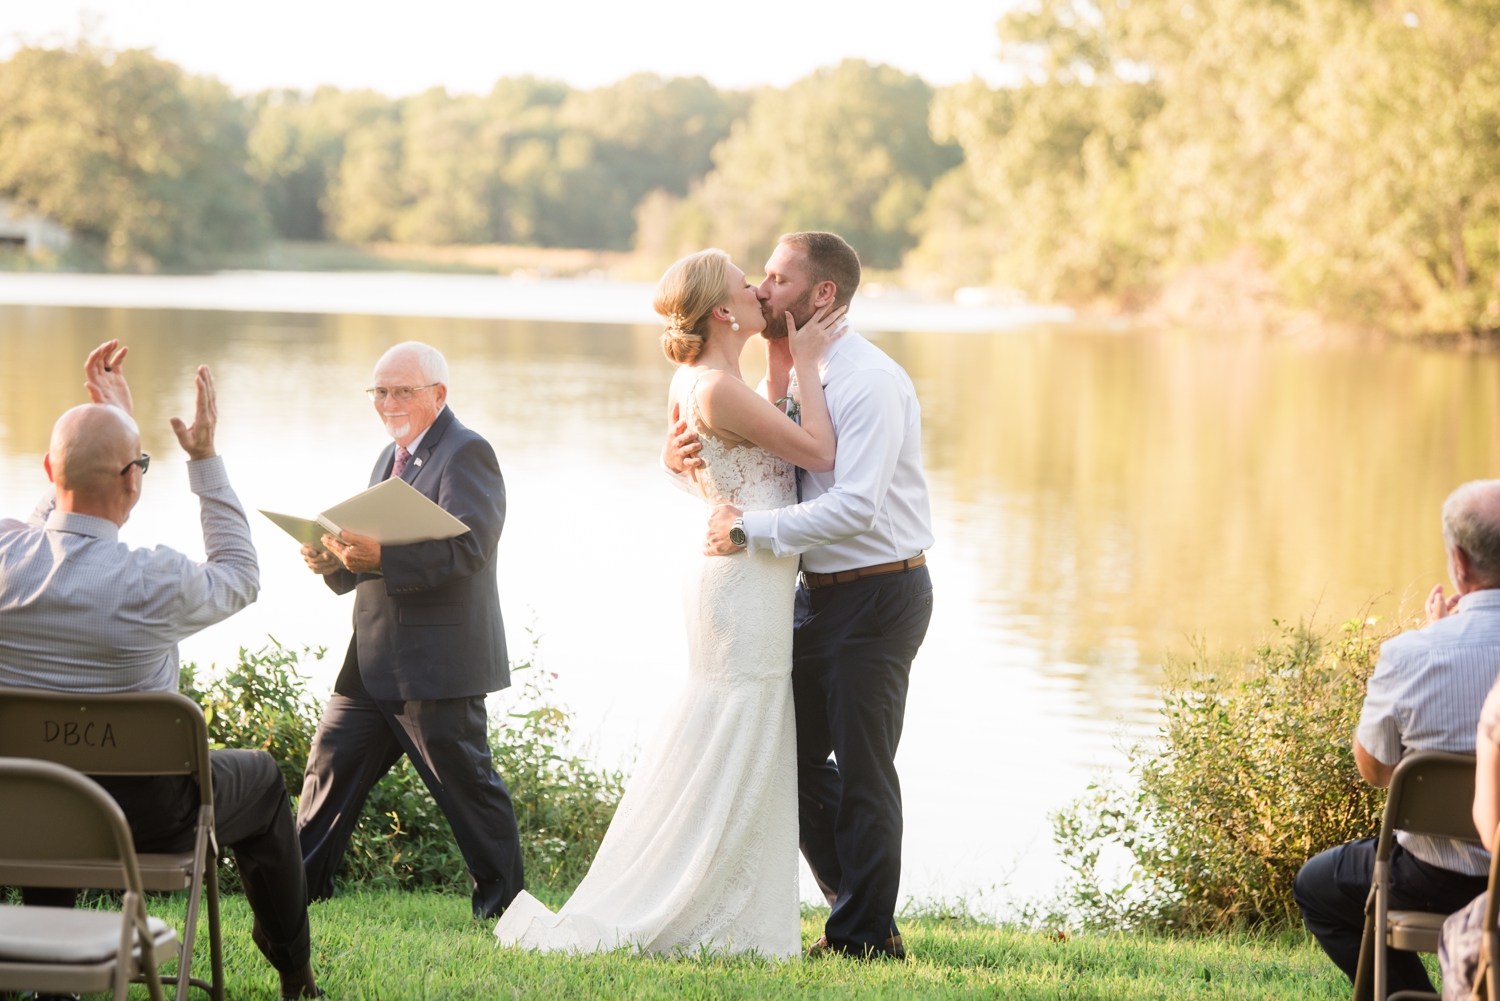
{"x":144,"y":462}
{"x":398,"y":393}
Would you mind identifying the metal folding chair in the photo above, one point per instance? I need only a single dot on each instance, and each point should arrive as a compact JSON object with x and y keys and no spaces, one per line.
{"x":59,"y":818}
{"x":1432,"y":792}
{"x":132,"y":733}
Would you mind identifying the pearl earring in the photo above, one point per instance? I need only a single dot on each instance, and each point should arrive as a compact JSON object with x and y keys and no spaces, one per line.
{"x":733,"y":323}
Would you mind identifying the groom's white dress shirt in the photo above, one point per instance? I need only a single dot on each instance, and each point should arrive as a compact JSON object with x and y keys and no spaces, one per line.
{"x":873,"y":507}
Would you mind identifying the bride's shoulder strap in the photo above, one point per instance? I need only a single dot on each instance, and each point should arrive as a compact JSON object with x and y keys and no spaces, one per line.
{"x":702,"y":388}
{"x":715,"y":402}
{"x":685,"y":385}
{"x":691,"y":410}
{"x":697,"y":380}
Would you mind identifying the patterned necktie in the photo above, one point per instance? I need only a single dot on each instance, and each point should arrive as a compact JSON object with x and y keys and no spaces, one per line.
{"x":402,"y":458}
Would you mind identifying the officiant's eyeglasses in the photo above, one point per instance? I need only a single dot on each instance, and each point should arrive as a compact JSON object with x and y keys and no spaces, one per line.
{"x":398,"y":393}
{"x":144,"y":462}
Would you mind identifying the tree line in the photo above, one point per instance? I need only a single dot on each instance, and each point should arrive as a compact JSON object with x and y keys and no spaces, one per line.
{"x":1350,"y":149}
{"x":1346,"y":152}
{"x":153,"y":166}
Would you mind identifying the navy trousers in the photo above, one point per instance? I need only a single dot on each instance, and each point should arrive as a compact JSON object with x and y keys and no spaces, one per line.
{"x":361,"y":737}
{"x":1332,"y":887}
{"x":851,"y":660}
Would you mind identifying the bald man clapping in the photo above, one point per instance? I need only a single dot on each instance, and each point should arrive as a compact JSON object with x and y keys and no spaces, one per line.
{"x":81,"y":611}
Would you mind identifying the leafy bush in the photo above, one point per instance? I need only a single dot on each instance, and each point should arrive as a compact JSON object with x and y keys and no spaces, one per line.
{"x":1251,"y":774}
{"x":563,"y":802}
{"x":261,"y":703}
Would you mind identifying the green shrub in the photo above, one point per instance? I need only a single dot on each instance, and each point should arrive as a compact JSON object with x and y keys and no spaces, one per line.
{"x":563,"y":802}
{"x":261,"y":703}
{"x":1252,"y":773}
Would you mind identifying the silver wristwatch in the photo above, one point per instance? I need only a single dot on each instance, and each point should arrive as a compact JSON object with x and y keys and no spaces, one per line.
{"x":737,"y":533}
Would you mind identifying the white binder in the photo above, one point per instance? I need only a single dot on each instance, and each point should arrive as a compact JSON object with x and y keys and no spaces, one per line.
{"x":392,"y":512}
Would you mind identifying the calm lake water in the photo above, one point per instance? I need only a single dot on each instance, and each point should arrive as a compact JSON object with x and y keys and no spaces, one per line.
{"x":1101,"y":499}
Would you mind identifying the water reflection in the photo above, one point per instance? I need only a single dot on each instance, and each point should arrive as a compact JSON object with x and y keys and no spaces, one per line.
{"x":1099,"y":498}
{"x":1150,"y":487}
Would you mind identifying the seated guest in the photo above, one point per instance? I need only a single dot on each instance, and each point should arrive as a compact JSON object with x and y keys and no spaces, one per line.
{"x":80,"y":611}
{"x":1425,"y":695}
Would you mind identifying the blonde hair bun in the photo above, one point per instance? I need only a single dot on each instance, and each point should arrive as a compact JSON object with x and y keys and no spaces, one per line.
{"x":685,"y":296}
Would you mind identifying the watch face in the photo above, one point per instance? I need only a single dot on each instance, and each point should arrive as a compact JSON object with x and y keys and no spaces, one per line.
{"x":737,"y":536}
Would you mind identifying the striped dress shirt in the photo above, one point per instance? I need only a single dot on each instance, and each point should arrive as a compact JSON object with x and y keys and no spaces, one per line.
{"x":81,"y":611}
{"x":1426,"y":694}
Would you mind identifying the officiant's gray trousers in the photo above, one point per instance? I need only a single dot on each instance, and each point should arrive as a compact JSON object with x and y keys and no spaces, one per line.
{"x":851,"y":658}
{"x":361,"y":737}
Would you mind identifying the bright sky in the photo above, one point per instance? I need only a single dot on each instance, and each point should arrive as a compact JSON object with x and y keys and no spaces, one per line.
{"x":404,"y":47}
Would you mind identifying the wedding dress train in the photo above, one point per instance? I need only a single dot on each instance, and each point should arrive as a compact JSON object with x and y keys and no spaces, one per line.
{"x":702,"y":852}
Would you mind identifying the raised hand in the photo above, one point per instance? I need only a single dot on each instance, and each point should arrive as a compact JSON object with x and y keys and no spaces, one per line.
{"x":104,"y":376}
{"x":1440,"y":607}
{"x":198,"y":440}
{"x":811,"y":342}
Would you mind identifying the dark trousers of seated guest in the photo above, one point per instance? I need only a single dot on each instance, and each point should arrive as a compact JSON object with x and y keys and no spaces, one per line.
{"x":252,"y":816}
{"x":1331,"y":890}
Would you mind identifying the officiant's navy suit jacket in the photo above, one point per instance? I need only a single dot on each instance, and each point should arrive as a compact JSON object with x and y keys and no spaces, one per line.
{"x":429,"y":627}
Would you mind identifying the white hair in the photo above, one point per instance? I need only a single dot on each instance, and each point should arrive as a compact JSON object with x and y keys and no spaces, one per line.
{"x":1471,"y":522}
{"x":428,"y":358}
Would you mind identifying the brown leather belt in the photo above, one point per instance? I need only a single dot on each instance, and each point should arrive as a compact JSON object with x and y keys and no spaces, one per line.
{"x":850,"y":576}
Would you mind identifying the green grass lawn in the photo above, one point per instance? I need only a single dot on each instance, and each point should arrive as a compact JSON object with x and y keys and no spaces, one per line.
{"x":393,"y":945}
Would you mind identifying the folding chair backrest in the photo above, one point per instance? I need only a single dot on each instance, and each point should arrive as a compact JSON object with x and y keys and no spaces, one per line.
{"x":130,"y":733}
{"x":55,"y":813}
{"x":1432,"y":792}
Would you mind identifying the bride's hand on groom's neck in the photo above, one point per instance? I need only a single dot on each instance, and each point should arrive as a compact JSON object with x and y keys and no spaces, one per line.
{"x":778,"y":369}
{"x":810,"y":342}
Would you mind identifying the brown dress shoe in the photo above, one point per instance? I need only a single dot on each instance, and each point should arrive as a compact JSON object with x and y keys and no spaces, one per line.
{"x":891,"y":949}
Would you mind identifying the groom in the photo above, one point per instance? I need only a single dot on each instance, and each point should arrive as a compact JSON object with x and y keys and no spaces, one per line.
{"x":864,"y":599}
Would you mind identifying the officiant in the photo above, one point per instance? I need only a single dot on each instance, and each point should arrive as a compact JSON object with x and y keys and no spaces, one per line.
{"x":428,"y":645}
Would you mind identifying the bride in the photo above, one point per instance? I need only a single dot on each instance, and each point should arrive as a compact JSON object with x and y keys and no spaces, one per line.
{"x":702,"y":852}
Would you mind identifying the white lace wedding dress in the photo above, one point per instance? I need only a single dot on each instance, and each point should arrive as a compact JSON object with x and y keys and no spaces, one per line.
{"x":702,"y":852}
